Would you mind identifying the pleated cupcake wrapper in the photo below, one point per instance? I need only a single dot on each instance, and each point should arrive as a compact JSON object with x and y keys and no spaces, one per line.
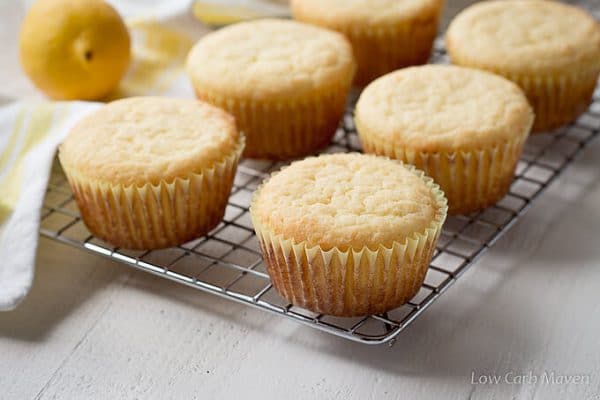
{"x":156,"y":215}
{"x":471,"y":180}
{"x":354,"y":281}
{"x":285,"y":129}
{"x":385,"y":49}
{"x":556,"y":99}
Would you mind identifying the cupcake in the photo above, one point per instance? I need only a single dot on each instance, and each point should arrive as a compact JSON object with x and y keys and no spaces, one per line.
{"x":385,"y":34}
{"x":151,"y":172}
{"x":551,"y":50}
{"x":285,"y":82}
{"x":464,"y":127}
{"x":348,"y":234}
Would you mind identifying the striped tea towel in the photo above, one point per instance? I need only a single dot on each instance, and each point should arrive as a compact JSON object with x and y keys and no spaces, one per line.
{"x":29,"y":135}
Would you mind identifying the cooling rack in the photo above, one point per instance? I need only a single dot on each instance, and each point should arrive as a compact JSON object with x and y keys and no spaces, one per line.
{"x":228,"y":263}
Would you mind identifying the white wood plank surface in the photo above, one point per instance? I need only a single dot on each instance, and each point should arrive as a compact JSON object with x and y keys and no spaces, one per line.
{"x":92,"y":328}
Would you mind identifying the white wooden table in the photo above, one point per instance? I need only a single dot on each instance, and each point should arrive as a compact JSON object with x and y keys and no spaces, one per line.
{"x":91,"y":328}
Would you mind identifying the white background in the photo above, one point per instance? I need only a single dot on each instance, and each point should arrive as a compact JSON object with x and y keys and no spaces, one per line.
{"x":92,"y":328}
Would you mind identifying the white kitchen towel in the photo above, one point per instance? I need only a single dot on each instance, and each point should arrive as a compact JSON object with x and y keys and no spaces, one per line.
{"x":29,"y":135}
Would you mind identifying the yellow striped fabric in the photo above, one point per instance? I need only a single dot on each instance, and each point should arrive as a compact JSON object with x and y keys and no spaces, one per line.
{"x":29,"y":129}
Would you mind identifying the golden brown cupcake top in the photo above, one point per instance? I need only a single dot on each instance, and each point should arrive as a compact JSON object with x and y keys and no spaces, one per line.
{"x":347,"y":200}
{"x":143,"y":140}
{"x":443,"y":108}
{"x":373,"y":13}
{"x":270,"y":59}
{"x":534,"y":35}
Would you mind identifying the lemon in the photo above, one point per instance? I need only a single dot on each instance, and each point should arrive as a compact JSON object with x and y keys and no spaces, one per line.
{"x":74,"y":49}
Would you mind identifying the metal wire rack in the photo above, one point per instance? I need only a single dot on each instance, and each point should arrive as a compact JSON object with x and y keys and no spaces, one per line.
{"x":228,"y":263}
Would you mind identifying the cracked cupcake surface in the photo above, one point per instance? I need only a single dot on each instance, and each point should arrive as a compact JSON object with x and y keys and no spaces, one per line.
{"x":348,"y":234}
{"x":346,"y":201}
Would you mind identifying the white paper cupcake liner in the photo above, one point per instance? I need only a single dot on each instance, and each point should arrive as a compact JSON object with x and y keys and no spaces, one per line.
{"x":354,"y":281}
{"x":156,"y":215}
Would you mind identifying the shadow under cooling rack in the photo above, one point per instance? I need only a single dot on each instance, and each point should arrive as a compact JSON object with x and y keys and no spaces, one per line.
{"x":228,"y":263}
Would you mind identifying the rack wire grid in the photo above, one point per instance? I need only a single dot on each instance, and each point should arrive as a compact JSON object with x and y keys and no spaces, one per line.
{"x":227,"y":262}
